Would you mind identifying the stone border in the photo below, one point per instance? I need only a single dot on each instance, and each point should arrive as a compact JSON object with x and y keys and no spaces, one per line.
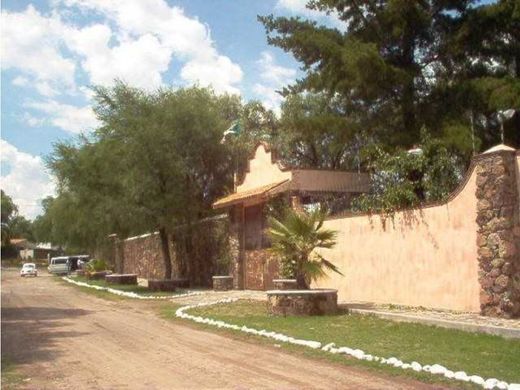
{"x":510,"y":333}
{"x":130,"y":294}
{"x":436,"y":369}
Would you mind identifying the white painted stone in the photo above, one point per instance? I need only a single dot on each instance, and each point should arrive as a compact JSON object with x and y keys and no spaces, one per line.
{"x":437,"y":369}
{"x":478,"y":380}
{"x":461,"y":376}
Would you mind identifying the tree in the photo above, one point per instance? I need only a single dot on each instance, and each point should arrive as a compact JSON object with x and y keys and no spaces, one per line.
{"x":172,"y":164}
{"x":295,"y":239}
{"x":9,"y":211}
{"x":21,"y":227}
{"x":315,"y":132}
{"x":398,"y":66}
{"x":408,"y":178}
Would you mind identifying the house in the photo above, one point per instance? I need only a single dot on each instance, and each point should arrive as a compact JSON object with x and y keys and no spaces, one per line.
{"x":266,"y":178}
{"x":27,"y":250}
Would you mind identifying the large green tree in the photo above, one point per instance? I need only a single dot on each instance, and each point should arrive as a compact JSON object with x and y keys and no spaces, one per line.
{"x":401,"y":65}
{"x":315,"y":132}
{"x":155,"y":162}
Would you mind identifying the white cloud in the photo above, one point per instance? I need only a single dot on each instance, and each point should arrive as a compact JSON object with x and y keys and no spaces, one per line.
{"x":32,"y":120}
{"x":138,"y":62}
{"x":27,"y":182}
{"x":298,"y":7}
{"x":274,"y":77}
{"x":150,"y":34}
{"x":20,"y":81}
{"x":31,"y":43}
{"x":67,"y":117}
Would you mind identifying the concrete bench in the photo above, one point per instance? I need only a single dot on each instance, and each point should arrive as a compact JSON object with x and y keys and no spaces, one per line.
{"x":162,"y":285}
{"x":121,"y":279}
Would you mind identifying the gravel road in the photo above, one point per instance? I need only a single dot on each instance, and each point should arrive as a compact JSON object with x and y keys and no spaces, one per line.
{"x":61,"y":338}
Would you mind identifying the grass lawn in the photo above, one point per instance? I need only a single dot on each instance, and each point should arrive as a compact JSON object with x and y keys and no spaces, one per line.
{"x":476,"y":354}
{"x":11,"y":379}
{"x":127,"y":288}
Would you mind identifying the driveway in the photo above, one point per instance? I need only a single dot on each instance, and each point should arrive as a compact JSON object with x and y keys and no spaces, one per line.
{"x":61,"y":338}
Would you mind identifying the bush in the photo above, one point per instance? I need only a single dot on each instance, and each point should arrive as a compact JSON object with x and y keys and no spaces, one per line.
{"x":96,"y":265}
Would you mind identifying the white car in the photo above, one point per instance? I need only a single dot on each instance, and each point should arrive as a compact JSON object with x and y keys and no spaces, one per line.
{"x":59,"y":265}
{"x":29,"y":269}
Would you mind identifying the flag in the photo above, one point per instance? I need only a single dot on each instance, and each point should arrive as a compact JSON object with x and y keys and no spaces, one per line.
{"x":234,"y":129}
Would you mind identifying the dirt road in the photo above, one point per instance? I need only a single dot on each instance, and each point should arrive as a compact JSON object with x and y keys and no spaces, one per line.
{"x":62,"y":338}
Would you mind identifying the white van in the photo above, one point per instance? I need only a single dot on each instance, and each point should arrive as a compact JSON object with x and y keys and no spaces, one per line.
{"x":59,"y":265}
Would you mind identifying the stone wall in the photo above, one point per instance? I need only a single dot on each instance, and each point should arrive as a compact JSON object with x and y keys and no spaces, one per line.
{"x":498,"y":236}
{"x":142,"y":256}
{"x":194,"y":252}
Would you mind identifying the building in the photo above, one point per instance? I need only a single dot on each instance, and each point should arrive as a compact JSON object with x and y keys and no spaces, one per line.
{"x":265,"y":179}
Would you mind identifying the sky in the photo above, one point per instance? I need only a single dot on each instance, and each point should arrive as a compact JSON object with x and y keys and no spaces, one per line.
{"x":53,"y":51}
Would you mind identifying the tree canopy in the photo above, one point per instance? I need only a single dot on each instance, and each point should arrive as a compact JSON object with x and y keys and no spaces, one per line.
{"x":398,"y":66}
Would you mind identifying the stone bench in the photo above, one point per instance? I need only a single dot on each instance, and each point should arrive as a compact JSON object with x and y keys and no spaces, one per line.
{"x":181,"y":282}
{"x":302,"y":302}
{"x":97,"y":275}
{"x":161,"y":285}
{"x":284,"y":284}
{"x":222,"y":283}
{"x":121,"y":279}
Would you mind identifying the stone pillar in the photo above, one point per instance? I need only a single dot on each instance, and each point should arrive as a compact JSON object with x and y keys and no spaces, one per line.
{"x":498,"y":237}
{"x":236,"y":245}
{"x":118,"y":255}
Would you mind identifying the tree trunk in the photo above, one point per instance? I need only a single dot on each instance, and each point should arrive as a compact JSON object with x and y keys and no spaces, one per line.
{"x":166,"y":253}
{"x":301,"y":280}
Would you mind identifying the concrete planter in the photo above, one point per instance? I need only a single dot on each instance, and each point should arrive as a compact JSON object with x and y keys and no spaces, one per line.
{"x":161,"y":285}
{"x":222,"y":283}
{"x":302,"y":302}
{"x":285,"y":284}
{"x":130,"y":279}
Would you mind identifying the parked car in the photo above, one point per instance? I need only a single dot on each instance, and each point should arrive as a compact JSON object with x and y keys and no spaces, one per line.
{"x":59,"y":265}
{"x":29,"y":269}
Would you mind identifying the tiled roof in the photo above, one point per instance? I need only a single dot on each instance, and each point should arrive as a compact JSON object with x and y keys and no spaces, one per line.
{"x":239,"y":197}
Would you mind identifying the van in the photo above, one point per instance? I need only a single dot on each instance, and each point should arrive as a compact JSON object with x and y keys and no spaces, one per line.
{"x":58,"y":265}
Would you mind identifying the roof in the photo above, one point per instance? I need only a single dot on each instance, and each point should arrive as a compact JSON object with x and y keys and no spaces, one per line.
{"x":499,"y":147}
{"x":262,"y":192}
{"x":266,"y":177}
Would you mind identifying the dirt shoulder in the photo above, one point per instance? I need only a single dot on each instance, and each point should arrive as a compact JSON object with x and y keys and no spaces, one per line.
{"x":61,"y":338}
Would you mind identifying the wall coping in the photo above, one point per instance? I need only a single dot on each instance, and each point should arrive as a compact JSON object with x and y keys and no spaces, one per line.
{"x":222,"y":277}
{"x":316,"y":291}
{"x":284,"y":280}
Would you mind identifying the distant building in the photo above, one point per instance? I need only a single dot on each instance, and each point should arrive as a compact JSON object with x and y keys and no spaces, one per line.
{"x":27,"y":250}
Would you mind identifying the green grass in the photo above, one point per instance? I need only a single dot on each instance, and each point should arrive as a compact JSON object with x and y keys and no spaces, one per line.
{"x":476,"y":354}
{"x":11,"y":378}
{"x":125,"y":287}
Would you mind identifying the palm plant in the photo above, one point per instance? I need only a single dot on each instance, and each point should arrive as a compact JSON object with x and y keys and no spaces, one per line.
{"x":295,"y":238}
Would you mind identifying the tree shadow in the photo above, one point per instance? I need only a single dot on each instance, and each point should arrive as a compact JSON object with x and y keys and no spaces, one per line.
{"x":31,"y":334}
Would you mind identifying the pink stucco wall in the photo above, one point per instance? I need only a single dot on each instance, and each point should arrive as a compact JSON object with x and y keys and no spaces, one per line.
{"x":423,"y":257}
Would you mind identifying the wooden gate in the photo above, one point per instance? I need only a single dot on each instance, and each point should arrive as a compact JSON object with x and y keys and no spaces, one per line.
{"x":260,"y":270}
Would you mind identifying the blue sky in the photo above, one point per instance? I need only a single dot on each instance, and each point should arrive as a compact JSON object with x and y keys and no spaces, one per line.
{"x":53,"y":50}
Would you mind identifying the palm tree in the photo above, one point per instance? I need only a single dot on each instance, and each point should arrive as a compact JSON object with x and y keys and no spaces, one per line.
{"x":294,"y":240}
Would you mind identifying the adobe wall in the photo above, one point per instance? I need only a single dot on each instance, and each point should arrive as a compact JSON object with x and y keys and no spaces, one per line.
{"x":430,"y":256}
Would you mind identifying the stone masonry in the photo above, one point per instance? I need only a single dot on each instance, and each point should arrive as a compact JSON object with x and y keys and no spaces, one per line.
{"x":498,"y":237}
